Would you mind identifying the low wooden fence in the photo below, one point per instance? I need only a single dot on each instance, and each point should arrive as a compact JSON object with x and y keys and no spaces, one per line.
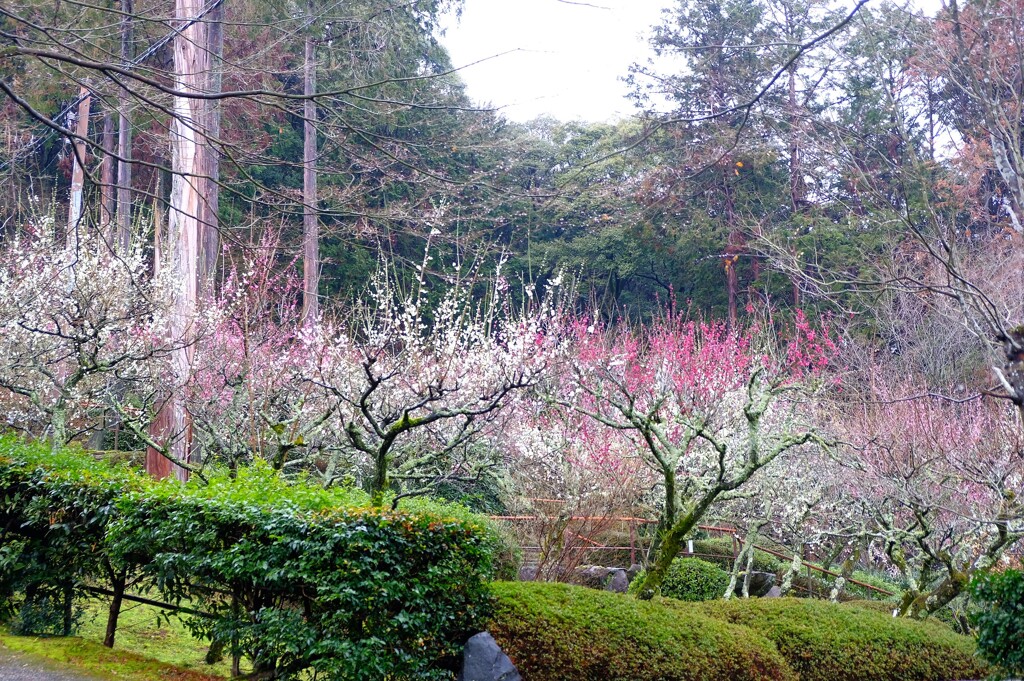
{"x":635,"y":550}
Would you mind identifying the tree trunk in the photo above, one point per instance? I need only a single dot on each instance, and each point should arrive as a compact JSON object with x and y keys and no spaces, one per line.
{"x":672,"y":541}
{"x":191,"y":64}
{"x":114,"y":612}
{"x":78,"y":169}
{"x":209,"y":242}
{"x":792,"y":571}
{"x":69,"y":609}
{"x":310,"y":223}
{"x":796,"y":197}
{"x":107,"y":177}
{"x":124,"y":138}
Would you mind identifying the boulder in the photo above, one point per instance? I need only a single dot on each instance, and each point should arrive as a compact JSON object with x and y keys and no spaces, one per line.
{"x":774,"y":592}
{"x":528,"y":573}
{"x":618,"y":582}
{"x":604,"y":578}
{"x":484,"y":660}
{"x":760,"y":584}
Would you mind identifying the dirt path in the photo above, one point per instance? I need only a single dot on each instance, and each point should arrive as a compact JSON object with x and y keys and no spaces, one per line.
{"x":15,"y":667}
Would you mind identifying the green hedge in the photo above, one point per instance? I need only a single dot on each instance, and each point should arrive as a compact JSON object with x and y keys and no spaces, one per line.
{"x":291,"y":575}
{"x":690,"y":579}
{"x":829,"y":642}
{"x":558,"y":632}
{"x":54,"y":510}
{"x":1001,"y":620}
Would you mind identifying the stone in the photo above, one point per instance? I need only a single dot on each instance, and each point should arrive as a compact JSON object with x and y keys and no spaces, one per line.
{"x":590,"y":576}
{"x":634,"y":570}
{"x":484,"y":660}
{"x":774,"y":592}
{"x":604,"y":578}
{"x":528,"y":573}
{"x":618,"y":582}
{"x":760,"y":584}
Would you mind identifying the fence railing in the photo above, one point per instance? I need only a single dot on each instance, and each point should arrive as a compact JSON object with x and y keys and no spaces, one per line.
{"x":592,"y":545}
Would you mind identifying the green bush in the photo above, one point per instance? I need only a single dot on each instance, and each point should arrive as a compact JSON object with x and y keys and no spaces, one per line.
{"x":54,"y":509}
{"x":829,"y":642}
{"x":558,"y":632}
{"x":690,"y":579}
{"x":874,"y":579}
{"x":1001,"y":621}
{"x":719,"y":550}
{"x":293,"y":576}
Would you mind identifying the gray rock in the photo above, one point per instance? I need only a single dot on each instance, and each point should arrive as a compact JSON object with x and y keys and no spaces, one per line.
{"x":774,"y":592}
{"x":604,"y":578}
{"x":618,"y":582}
{"x":591,"y":576}
{"x":483,"y":660}
{"x":760,"y":584}
{"x":528,"y":573}
{"x":634,"y":570}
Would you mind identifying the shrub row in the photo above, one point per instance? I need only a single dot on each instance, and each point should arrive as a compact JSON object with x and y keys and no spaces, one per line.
{"x":554,"y":631}
{"x":558,"y":632}
{"x":293,"y":576}
{"x":825,"y":641}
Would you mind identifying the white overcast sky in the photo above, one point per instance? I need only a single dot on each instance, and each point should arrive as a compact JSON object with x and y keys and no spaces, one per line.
{"x":565,"y":59}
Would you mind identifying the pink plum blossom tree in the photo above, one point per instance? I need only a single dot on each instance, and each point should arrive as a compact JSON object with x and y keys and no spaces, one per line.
{"x":940,"y":480}
{"x":705,"y":407}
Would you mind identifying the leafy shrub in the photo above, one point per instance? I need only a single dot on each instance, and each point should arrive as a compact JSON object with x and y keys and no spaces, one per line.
{"x":877,"y":580}
{"x":558,"y":632}
{"x":1001,"y":620}
{"x":53,"y":514}
{"x":690,"y":579}
{"x":719,"y":550}
{"x":829,"y":642}
{"x":45,"y":615}
{"x":294,"y":576}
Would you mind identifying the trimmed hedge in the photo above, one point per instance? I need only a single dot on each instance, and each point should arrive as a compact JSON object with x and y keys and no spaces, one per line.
{"x":558,"y":632}
{"x":293,"y":576}
{"x":829,"y":642}
{"x":690,"y":579}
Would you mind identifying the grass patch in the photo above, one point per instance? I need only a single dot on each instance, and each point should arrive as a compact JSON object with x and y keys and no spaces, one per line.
{"x":148,"y":646}
{"x":92,"y":658}
{"x":142,"y":631}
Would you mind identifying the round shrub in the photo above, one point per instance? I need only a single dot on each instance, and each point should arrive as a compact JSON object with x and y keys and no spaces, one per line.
{"x":1001,"y":622}
{"x":558,"y":632}
{"x":691,"y":579}
{"x":829,"y":642}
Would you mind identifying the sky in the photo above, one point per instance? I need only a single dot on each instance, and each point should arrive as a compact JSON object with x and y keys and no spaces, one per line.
{"x":561,"y":58}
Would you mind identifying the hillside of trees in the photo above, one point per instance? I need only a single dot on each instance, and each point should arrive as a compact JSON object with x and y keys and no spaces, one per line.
{"x":787,"y":294}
